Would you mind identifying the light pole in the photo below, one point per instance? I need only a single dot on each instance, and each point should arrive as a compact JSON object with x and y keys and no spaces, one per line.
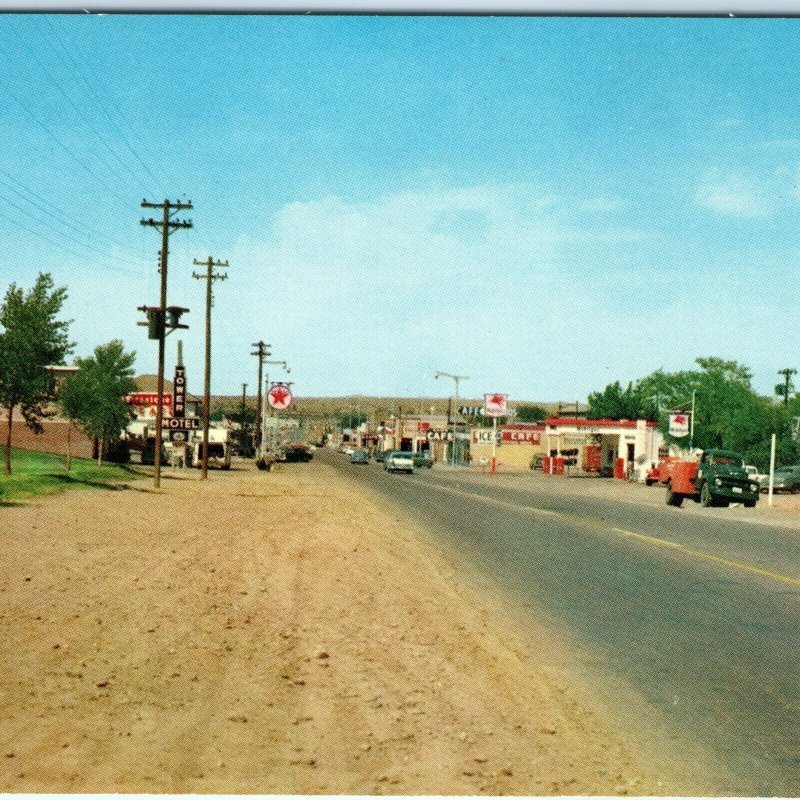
{"x":456,"y":379}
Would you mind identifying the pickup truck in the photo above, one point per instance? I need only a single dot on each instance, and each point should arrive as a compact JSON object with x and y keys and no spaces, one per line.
{"x":659,"y":473}
{"x":717,"y":479}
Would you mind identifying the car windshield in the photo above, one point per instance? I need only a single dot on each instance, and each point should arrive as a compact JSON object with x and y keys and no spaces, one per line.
{"x":720,"y":459}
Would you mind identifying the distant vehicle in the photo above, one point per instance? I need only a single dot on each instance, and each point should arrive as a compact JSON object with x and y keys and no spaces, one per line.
{"x":359,"y":457}
{"x":399,"y":461}
{"x":380,"y":456}
{"x":422,"y":458}
{"x":660,"y":472}
{"x":219,"y":454}
{"x":754,"y":474}
{"x":297,"y":453}
{"x":786,"y":479}
{"x":718,"y":479}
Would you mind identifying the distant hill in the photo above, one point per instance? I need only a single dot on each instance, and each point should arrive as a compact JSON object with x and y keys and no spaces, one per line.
{"x":374,"y":408}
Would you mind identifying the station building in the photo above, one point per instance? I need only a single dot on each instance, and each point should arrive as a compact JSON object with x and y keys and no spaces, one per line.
{"x":622,"y":448}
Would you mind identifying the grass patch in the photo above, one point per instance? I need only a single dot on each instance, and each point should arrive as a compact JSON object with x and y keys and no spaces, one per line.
{"x":34,"y":473}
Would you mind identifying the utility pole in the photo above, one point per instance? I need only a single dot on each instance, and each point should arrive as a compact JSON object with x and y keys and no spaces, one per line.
{"x":787,"y":373}
{"x":457,"y":379}
{"x":209,"y":277}
{"x":168,"y":225}
{"x":243,"y":424}
{"x":262,"y":353}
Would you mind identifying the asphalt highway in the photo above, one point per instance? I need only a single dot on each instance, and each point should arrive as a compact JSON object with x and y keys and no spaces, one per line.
{"x":689,"y":617}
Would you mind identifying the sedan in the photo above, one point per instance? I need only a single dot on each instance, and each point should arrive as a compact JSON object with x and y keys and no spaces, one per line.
{"x":359,"y":457}
{"x":398,"y":461}
{"x":786,"y":479}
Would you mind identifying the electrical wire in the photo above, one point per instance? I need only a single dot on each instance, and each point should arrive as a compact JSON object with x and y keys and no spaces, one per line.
{"x":79,"y":73}
{"x":85,"y":118}
{"x":58,"y":244}
{"x":61,"y":144}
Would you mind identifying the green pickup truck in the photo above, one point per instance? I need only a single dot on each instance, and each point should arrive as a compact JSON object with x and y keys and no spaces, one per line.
{"x":718,"y":479}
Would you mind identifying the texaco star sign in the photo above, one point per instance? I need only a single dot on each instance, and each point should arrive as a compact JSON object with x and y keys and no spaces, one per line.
{"x":279,"y":397}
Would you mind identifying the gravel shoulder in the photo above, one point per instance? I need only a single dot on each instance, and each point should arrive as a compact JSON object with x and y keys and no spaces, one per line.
{"x":277,"y":633}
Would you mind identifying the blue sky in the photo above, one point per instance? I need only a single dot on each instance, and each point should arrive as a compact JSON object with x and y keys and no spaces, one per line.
{"x":544,"y":204}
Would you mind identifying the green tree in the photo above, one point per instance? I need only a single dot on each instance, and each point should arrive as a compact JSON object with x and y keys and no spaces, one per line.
{"x":94,"y":397}
{"x":614,"y":402}
{"x":728,"y":413}
{"x":244,"y":418}
{"x":351,"y":421}
{"x":31,"y":339}
{"x":530,"y":414}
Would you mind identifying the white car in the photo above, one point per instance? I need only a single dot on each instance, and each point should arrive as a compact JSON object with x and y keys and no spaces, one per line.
{"x":398,"y":461}
{"x":754,"y":475}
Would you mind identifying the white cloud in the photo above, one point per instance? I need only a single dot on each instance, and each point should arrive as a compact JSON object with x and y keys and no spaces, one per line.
{"x":372,"y":295}
{"x":732,"y":194}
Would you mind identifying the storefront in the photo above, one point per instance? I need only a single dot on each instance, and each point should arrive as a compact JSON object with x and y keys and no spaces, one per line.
{"x":620,"y":448}
{"x":515,"y":446}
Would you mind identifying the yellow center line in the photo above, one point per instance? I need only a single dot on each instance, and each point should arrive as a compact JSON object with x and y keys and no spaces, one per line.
{"x":575,"y":518}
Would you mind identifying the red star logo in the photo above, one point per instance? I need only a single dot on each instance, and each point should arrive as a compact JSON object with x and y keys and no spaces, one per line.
{"x":280,"y":395}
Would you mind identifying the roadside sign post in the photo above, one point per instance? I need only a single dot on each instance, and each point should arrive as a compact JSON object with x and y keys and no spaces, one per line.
{"x":495,"y":405}
{"x":771,"y":469}
{"x":279,"y":398}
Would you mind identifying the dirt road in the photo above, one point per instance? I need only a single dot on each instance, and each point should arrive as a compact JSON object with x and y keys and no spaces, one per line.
{"x":276,"y":633}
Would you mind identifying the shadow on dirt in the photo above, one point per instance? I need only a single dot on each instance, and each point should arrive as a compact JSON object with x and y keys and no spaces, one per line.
{"x":70,"y":481}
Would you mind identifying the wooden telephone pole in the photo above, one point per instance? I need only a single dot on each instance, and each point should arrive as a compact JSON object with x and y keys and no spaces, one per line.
{"x":262,"y":353}
{"x":209,"y":277}
{"x":168,"y":225}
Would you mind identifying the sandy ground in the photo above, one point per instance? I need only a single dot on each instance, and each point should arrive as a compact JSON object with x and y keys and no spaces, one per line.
{"x":276,"y":633}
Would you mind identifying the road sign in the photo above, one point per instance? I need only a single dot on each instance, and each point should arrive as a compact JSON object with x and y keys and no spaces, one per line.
{"x":181,"y":423}
{"x":279,"y":397}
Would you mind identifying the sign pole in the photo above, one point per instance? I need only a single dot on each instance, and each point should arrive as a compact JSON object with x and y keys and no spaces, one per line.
{"x":494,"y":445}
{"x":771,"y":469}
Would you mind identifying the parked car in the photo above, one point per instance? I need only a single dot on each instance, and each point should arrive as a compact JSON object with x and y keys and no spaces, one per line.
{"x":359,"y":457}
{"x":422,"y":458}
{"x":380,"y":456}
{"x":786,"y":479}
{"x":399,"y":461}
{"x":754,"y":474}
{"x":297,"y":452}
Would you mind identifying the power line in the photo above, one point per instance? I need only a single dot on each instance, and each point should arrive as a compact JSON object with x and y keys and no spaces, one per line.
{"x":61,"y":144}
{"x":58,"y":244}
{"x":77,"y":71}
{"x":58,"y":215}
{"x":85,"y":118}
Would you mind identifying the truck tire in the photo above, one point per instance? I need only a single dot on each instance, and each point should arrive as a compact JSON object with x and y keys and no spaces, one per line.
{"x":706,"y":498}
{"x":749,"y":503}
{"x":673,"y":498}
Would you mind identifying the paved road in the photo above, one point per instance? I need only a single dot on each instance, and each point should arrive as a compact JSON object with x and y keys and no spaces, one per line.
{"x":691,"y":610}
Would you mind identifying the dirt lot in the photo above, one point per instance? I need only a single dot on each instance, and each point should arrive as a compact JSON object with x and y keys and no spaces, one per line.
{"x":277,"y":633}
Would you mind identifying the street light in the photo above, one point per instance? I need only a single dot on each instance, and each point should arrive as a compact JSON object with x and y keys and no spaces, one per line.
{"x":456,"y":379}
